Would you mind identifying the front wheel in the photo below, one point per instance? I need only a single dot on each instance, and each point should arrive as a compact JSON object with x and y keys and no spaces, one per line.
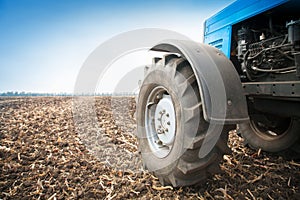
{"x":171,"y":127}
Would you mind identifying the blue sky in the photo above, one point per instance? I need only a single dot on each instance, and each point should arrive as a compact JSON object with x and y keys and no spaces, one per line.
{"x":45,"y":42}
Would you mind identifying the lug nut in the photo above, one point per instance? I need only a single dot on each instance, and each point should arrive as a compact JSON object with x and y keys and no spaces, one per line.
{"x":166,"y":129}
{"x":167,"y":115}
{"x":169,"y":123}
{"x":160,"y":131}
{"x":159,"y":142}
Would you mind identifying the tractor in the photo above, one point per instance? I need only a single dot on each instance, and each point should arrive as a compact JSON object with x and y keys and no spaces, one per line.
{"x":244,"y":76}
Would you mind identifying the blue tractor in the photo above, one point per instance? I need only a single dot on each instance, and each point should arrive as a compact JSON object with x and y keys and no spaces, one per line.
{"x":245,"y":76}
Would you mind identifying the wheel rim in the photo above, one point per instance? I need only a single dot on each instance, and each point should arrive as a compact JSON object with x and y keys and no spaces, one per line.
{"x":160,"y":122}
{"x":277,"y":130}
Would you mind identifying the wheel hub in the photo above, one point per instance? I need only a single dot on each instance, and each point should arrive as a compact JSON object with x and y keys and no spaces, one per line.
{"x":160,"y":122}
{"x":165,"y":120}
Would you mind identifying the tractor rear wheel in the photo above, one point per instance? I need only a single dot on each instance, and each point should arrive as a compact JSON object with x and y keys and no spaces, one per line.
{"x":171,"y":127}
{"x":270,"y":133}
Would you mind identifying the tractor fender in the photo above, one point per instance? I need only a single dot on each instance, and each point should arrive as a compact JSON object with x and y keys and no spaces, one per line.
{"x":220,"y":87}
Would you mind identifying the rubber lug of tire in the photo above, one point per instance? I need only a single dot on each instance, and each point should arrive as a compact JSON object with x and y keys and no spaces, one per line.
{"x":146,"y":70}
{"x":155,"y":60}
{"x":187,"y":168}
{"x":166,"y":58}
{"x":191,"y":113}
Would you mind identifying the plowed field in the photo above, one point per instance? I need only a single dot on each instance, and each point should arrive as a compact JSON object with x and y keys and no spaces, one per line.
{"x":44,"y":155}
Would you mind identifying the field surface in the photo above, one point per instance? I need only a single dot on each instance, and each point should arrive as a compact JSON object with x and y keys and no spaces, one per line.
{"x":48,"y":152}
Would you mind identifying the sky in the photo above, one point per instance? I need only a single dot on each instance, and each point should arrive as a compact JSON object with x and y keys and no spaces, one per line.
{"x":45,"y":42}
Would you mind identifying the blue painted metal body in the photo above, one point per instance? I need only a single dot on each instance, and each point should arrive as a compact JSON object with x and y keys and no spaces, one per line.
{"x":218,"y":28}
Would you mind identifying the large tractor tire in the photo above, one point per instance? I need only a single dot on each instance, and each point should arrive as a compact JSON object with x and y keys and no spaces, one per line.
{"x":270,"y":133}
{"x":171,"y":127}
